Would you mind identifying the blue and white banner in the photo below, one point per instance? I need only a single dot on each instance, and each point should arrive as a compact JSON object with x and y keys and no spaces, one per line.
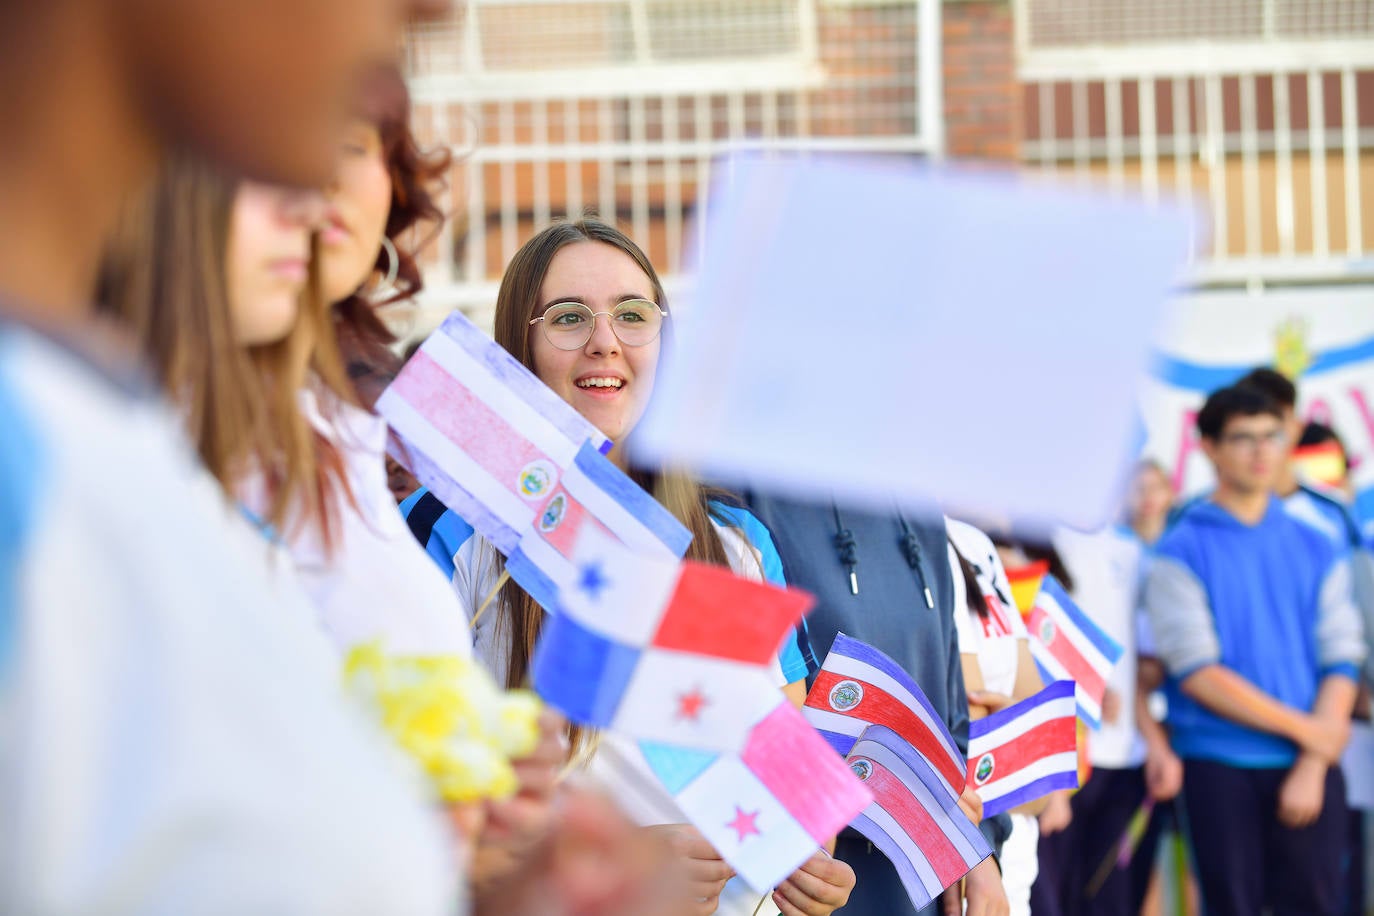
{"x":1323,"y":337}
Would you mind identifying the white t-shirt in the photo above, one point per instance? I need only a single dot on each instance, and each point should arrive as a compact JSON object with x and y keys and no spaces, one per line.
{"x":377,"y":582}
{"x":173,"y":736}
{"x":995,"y":639}
{"x":616,"y":765}
{"x":1105,"y":566}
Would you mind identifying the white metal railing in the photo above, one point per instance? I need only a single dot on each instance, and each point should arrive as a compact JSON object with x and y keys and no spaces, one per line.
{"x":619,"y":106}
{"x":1263,"y":109}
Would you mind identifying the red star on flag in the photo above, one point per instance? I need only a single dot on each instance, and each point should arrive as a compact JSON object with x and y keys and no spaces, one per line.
{"x":744,"y":824}
{"x":689,"y":705}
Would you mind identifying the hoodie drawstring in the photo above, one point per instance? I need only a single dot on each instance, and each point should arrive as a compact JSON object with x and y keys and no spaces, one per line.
{"x":848,"y":549}
{"x":912,"y":548}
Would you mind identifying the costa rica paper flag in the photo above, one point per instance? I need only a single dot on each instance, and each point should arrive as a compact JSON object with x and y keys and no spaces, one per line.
{"x":1025,"y":751}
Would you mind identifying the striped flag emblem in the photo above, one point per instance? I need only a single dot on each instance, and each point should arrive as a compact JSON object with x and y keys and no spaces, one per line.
{"x":1025,"y":751}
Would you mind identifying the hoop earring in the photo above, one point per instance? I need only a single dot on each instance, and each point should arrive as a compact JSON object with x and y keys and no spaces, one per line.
{"x":393,"y":266}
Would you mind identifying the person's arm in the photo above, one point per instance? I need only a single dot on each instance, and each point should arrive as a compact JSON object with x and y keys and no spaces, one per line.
{"x":1163,"y":769}
{"x":1303,"y":791}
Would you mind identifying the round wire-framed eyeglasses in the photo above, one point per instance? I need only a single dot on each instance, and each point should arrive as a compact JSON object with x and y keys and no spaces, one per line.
{"x":569,"y":325}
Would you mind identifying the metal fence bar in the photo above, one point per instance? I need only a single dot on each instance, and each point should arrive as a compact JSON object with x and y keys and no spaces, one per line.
{"x":510,"y":228}
{"x":1250,"y":174}
{"x":1216,"y":164}
{"x":1182,"y":133}
{"x":539,"y":119}
{"x":1079,"y":95}
{"x":1354,"y":243}
{"x":1049,"y":129}
{"x":1316,"y":145}
{"x":1115,"y":131}
{"x":1283,"y":166}
{"x":1149,"y":139}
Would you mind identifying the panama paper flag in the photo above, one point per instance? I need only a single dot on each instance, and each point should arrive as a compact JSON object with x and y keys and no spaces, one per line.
{"x":1027,"y":750}
{"x":481,"y":431}
{"x":859,"y":686}
{"x":768,"y":808}
{"x":1067,"y":645}
{"x":663,"y":650}
{"x":912,"y":820}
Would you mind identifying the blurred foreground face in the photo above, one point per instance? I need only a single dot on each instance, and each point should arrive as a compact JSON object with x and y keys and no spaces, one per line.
{"x":263,"y":86}
{"x":359,"y":203}
{"x":268,"y":259}
{"x":1249,"y":453}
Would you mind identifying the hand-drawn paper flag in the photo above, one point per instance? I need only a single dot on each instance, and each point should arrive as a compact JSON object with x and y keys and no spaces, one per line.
{"x":593,"y":496}
{"x":668,"y":651}
{"x":1067,"y":645}
{"x":1025,"y":584}
{"x":771,"y":806}
{"x":913,"y":821}
{"x":488,"y":439}
{"x":859,"y":686}
{"x":1025,"y":751}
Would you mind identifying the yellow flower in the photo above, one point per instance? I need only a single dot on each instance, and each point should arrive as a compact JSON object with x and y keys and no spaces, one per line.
{"x":450,"y":716}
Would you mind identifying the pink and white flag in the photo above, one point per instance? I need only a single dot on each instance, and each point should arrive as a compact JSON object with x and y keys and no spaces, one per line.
{"x":481,"y":431}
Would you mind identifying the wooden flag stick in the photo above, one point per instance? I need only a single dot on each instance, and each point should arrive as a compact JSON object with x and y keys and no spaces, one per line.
{"x":491,"y":596}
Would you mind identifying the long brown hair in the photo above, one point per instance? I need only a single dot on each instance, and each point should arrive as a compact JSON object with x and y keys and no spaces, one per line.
{"x":517,"y":302}
{"x":164,"y":276}
{"x":416,"y":175}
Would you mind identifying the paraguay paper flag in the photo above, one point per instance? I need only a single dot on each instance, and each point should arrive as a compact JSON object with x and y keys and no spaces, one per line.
{"x":768,"y":808}
{"x":664,"y":650}
{"x":1067,"y":645}
{"x":859,"y":686}
{"x":913,"y":821}
{"x":1025,"y":751}
{"x":478,"y":429}
{"x":592,"y":496}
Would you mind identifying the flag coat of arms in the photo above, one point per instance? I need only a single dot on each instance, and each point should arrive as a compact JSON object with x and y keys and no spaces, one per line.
{"x":1067,"y":645}
{"x":1025,"y":751}
{"x":664,"y":650}
{"x":769,"y":807}
{"x":913,"y":820}
{"x":859,"y":686}
{"x":593,"y":498}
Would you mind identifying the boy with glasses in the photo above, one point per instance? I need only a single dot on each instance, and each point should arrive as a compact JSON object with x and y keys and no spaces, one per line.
{"x":1253,"y":619}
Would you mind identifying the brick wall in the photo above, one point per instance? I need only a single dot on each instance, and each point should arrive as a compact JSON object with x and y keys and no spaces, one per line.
{"x":982,"y":117}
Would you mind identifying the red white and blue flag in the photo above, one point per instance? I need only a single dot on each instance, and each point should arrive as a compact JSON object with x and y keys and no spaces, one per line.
{"x":769,"y":807}
{"x":913,"y":820}
{"x":1025,"y":751}
{"x":1067,"y":645}
{"x":664,"y":650}
{"x":859,"y":686}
